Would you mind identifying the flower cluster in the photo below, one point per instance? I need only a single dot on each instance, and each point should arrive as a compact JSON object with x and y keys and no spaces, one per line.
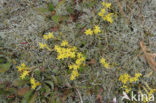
{"x":74,"y":74}
{"x":104,"y":63}
{"x":33,"y":82}
{"x":49,"y":36}
{"x":135,"y":78}
{"x":126,"y":79}
{"x":25,"y":72}
{"x":46,"y":37}
{"x":65,"y":51}
{"x":42,"y":46}
{"x":103,"y":14}
{"x":95,"y":30}
{"x":78,"y":62}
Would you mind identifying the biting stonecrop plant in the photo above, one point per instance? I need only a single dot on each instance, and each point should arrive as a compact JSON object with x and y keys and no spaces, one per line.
{"x":104,"y":63}
{"x":129,"y":83}
{"x":95,"y":31}
{"x":126,"y":79}
{"x":26,"y":72}
{"x":66,"y":51}
{"x":106,"y":16}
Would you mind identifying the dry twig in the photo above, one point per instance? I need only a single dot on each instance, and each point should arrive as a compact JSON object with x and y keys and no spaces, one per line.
{"x":150,"y":57}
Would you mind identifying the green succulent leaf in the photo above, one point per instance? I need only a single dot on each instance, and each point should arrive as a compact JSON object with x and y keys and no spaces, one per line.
{"x":27,"y":96}
{"x":4,"y":64}
{"x":50,"y":83}
{"x":51,"y":6}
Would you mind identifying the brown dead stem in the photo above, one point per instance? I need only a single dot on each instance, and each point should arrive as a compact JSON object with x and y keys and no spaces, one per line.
{"x":150,"y":57}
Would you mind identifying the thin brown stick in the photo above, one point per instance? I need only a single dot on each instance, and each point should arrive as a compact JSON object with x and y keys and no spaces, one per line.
{"x":81,"y":101}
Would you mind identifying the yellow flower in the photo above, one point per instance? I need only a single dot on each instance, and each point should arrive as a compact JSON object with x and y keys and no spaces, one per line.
{"x":79,"y":55}
{"x":19,"y":68}
{"x":57,"y":48}
{"x":124,"y":78}
{"x":104,"y":63}
{"x":133,"y":79}
{"x":136,"y":78}
{"x":64,"y":43}
{"x":45,"y":37}
{"x":102,"y":12}
{"x":96,"y":29}
{"x":65,"y":52}
{"x":138,"y":75}
{"x":108,"y":17}
{"x":74,"y":48}
{"x":78,"y":62}
{"x":74,"y":74}
{"x":88,"y":32}
{"x":41,"y":45}
{"x":70,"y":66}
{"x":72,"y":54}
{"x":22,"y":67}
{"x":24,"y":71}
{"x":33,"y":82}
{"x":102,"y":60}
{"x":126,"y":88}
{"x":60,"y":57}
{"x":82,"y":58}
{"x":73,"y":66}
{"x":49,"y":36}
{"x":24,"y":74}
{"x":107,"y":5}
